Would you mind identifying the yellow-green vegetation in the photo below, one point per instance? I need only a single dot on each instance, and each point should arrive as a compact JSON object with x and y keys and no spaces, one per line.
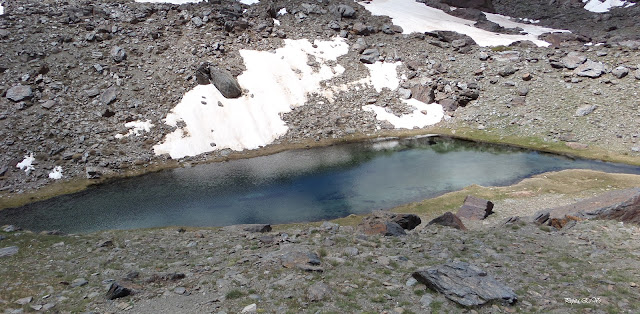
{"x":561,"y":182}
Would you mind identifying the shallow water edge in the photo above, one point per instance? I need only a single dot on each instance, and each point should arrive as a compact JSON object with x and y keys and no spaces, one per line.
{"x":77,"y":184}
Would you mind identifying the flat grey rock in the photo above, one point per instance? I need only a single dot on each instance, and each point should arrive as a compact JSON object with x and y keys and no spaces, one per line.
{"x":8,"y":251}
{"x":465,"y":284}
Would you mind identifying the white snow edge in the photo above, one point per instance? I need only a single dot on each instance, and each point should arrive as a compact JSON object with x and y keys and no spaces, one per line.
{"x":26,"y":163}
{"x":56,"y":173}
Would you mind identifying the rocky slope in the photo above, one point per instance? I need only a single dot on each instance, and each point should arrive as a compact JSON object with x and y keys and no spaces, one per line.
{"x":74,"y":73}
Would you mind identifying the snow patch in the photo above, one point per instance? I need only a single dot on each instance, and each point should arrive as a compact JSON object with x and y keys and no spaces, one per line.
{"x":249,"y":2}
{"x":26,"y":163}
{"x":282,"y":11}
{"x":601,"y":6}
{"x":56,"y":174}
{"x":277,"y":81}
{"x":170,"y":1}
{"x":383,"y":75}
{"x":424,"y":115}
{"x":507,"y":22}
{"x":1,"y":9}
{"x":413,"y":16}
{"x":276,"y":22}
{"x":136,"y":128}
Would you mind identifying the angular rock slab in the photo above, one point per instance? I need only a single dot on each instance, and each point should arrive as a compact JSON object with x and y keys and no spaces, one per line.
{"x":448,"y":219}
{"x":475,"y":208}
{"x":465,"y":284}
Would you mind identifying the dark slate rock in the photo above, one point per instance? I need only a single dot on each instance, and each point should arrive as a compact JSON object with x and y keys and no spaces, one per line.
{"x":8,"y":251}
{"x":406,"y":221}
{"x":203,"y":76}
{"x":423,"y":93}
{"x":541,"y":218}
{"x":475,"y":208}
{"x":346,"y":11}
{"x":93,"y":172}
{"x":465,"y":284}
{"x":225,"y":83}
{"x":19,"y":92}
{"x":257,"y":228}
{"x":448,"y":219}
{"x":117,"y":291}
{"x":370,"y":56}
{"x":318,"y":292}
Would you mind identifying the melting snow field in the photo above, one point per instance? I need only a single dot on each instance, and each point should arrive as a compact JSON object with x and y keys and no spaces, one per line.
{"x":277,"y":82}
{"x":136,"y":128}
{"x":413,"y":16}
{"x":424,"y":115}
{"x":600,"y":6}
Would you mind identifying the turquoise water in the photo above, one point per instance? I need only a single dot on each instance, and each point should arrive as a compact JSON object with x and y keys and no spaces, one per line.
{"x":293,"y":186}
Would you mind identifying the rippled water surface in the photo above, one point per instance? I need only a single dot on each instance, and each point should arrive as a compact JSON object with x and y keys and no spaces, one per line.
{"x":293,"y":186}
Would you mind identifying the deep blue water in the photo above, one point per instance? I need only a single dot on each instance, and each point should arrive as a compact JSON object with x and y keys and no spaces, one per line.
{"x":293,"y":186}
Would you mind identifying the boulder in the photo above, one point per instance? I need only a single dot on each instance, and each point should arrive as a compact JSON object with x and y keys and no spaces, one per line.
{"x":620,"y":72}
{"x":318,"y":292}
{"x":376,"y":225}
{"x":465,"y":284}
{"x":346,"y":11}
{"x":8,"y":251}
{"x":590,"y":69}
{"x":117,"y":291}
{"x":19,"y":92}
{"x":118,"y":54}
{"x":225,"y":83}
{"x":475,"y":208}
{"x":573,"y":59}
{"x":370,"y":56}
{"x":423,"y":93}
{"x":109,"y":95}
{"x":406,"y":221}
{"x":448,"y":219}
